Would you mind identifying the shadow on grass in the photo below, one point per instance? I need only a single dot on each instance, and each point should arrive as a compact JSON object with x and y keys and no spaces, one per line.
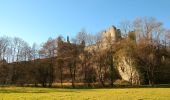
{"x":122,"y":87}
{"x":37,"y":90}
{"x":18,"y":91}
{"x":73,"y":90}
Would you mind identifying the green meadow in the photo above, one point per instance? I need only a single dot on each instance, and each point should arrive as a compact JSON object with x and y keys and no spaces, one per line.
{"x":36,"y":93}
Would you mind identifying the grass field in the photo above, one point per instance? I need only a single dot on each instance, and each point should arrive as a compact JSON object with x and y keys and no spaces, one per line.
{"x":30,"y":93}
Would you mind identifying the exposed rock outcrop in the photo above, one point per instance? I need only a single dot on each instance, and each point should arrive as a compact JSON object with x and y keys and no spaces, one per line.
{"x":125,"y":66}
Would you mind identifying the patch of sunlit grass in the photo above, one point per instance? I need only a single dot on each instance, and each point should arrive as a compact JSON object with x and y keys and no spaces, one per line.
{"x":33,"y":93}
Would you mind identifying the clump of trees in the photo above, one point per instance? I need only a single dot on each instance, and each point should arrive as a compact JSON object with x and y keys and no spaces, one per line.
{"x":150,"y":46}
{"x":144,"y":44}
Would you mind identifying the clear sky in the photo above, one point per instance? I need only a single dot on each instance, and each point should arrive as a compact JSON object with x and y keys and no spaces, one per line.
{"x":36,"y":20}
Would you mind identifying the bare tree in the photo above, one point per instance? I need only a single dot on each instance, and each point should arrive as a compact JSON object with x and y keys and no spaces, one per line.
{"x":149,"y":31}
{"x":60,"y":58}
{"x":49,"y":48}
{"x":81,"y":36}
{"x":126,"y":26}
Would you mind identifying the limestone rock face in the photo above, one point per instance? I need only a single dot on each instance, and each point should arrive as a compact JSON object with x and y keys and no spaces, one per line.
{"x":128,"y":71}
{"x":125,"y":68}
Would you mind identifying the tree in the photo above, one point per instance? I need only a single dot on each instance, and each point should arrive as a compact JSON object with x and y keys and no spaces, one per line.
{"x":126,"y":26}
{"x":81,"y":36}
{"x":149,"y":31}
{"x":4,"y":43}
{"x":110,"y":63}
{"x":110,"y":57}
{"x":60,"y":58}
{"x":99,"y":58}
{"x":34,"y":51}
{"x":49,"y":48}
{"x":4,"y":70}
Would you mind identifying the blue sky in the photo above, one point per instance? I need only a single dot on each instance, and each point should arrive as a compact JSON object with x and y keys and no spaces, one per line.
{"x":36,"y":20}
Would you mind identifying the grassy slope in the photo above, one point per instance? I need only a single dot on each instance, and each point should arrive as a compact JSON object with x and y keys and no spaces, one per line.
{"x":26,"y":93}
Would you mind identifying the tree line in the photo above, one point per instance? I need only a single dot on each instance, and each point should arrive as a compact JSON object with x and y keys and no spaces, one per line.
{"x":144,"y":44}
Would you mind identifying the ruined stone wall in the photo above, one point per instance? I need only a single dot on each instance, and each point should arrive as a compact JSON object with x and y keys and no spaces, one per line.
{"x":109,"y":36}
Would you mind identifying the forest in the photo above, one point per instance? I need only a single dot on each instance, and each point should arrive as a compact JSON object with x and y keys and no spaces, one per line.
{"x":143,"y":44}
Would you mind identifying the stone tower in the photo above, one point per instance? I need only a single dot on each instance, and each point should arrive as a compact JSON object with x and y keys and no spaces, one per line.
{"x":111,"y":35}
